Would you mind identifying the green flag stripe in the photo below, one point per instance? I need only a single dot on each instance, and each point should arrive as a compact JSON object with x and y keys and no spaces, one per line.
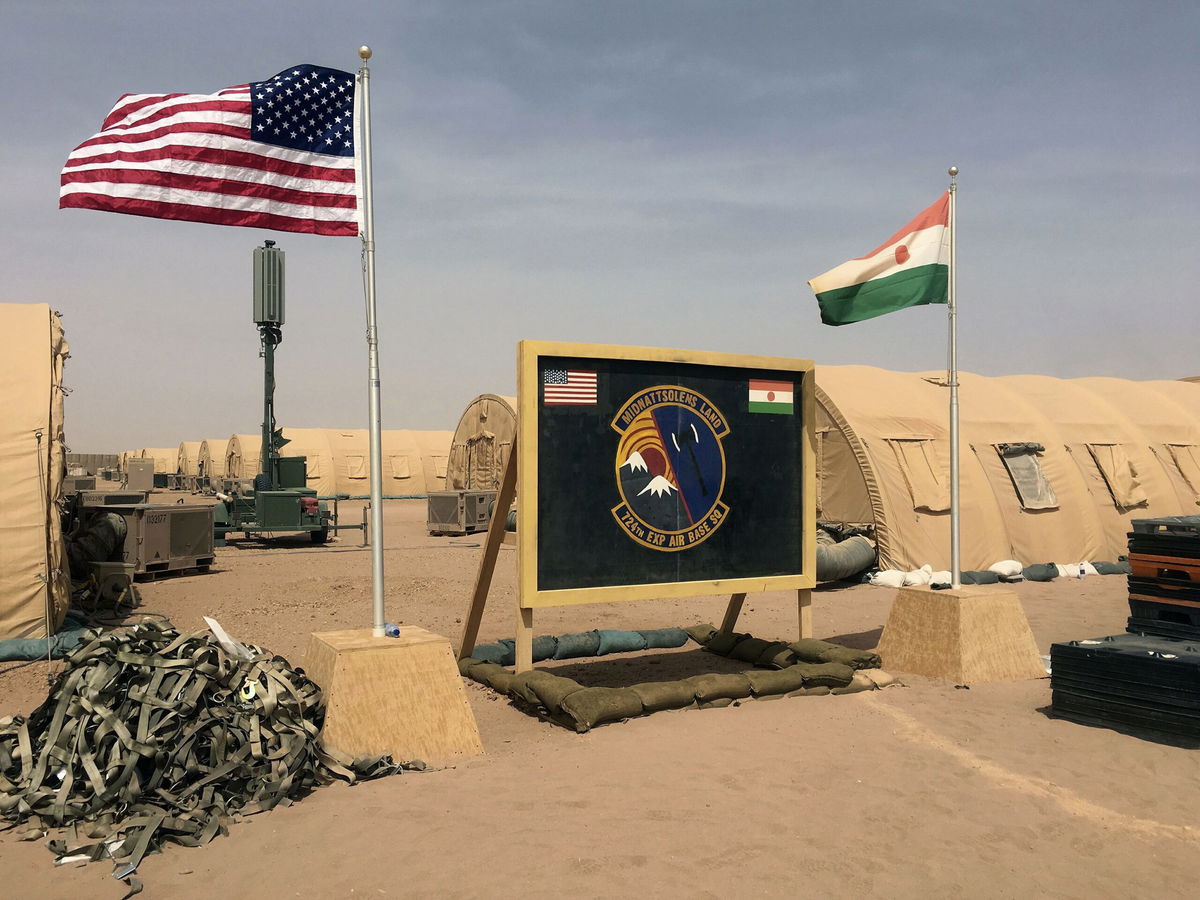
{"x":912,"y":287}
{"x":766,"y":406}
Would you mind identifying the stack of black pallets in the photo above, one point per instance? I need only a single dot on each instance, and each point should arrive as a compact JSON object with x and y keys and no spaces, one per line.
{"x":1164,"y":587}
{"x":1131,"y":680}
{"x":1150,"y":677}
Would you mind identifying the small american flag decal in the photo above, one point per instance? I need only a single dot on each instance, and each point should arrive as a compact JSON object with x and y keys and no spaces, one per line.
{"x":568,"y":387}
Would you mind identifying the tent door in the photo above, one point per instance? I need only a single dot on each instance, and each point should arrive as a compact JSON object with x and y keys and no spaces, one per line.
{"x":483,"y":471}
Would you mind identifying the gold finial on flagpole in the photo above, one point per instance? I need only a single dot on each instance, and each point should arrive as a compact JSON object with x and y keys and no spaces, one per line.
{"x":364,"y":52}
{"x":953,"y":170}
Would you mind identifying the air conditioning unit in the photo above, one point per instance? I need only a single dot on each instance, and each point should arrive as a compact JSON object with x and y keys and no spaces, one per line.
{"x":108,"y":498}
{"x":459,"y":512}
{"x":166,"y":538}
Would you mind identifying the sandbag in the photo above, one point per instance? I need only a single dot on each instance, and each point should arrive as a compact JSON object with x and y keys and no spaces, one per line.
{"x":466,"y":664}
{"x":701,"y":634}
{"x":825,"y":674}
{"x":918,"y":576}
{"x":814,"y":651}
{"x":776,"y":655}
{"x":664,"y":638}
{"x":498,"y":679}
{"x":861,"y":681}
{"x":494,"y":653}
{"x":809,"y":692}
{"x":592,"y":706}
{"x":723,"y":642}
{"x":892,"y":578}
{"x":521,"y":686}
{"x":881,"y":678}
{"x":713,"y":686}
{"x":576,"y":646}
{"x":659,"y":695}
{"x":494,"y":676}
{"x":1040,"y":572}
{"x":613,"y":641}
{"x":544,"y":647}
{"x":749,"y":650}
{"x":551,"y":690}
{"x":979,"y":577}
{"x":1006,"y":568}
{"x":781,"y":681}
{"x":1113,"y":568}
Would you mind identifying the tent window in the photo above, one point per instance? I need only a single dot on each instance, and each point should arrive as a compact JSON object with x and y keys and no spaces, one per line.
{"x":1119,"y":474}
{"x":1187,"y":460}
{"x":400,"y":467}
{"x":1021,"y":461}
{"x":439,"y":466}
{"x":356,"y":467}
{"x":926,"y":481}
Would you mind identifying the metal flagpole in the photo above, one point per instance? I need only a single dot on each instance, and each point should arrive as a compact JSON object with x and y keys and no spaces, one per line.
{"x":368,"y":243}
{"x":952,"y":379}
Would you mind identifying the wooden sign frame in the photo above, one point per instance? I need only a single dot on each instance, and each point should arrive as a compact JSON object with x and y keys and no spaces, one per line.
{"x":523,"y":462}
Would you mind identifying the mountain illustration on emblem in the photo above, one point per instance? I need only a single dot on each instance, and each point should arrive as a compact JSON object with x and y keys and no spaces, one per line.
{"x":657,"y":487}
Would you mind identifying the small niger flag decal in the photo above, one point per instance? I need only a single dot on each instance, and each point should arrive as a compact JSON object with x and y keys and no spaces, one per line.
{"x":771,"y":396}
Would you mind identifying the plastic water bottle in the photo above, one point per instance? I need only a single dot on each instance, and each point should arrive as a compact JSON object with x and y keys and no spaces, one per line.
{"x":1082,"y":572}
{"x":390,"y":629}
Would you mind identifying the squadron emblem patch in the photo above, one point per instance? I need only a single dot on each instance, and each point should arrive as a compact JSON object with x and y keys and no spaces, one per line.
{"x":670,"y":468}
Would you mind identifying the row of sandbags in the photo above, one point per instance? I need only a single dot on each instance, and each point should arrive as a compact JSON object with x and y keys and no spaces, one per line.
{"x":799,"y":669}
{"x":598,"y":642}
{"x":1007,"y":571}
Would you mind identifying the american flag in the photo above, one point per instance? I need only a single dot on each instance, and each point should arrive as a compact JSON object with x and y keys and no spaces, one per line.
{"x":568,"y":387}
{"x":273,"y":154}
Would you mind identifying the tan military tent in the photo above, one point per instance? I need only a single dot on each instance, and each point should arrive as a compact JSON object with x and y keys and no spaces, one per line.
{"x":34,"y":583}
{"x":242,"y":454}
{"x":188,"y":459}
{"x":1052,"y":469}
{"x":210,"y":459}
{"x":166,"y":459}
{"x":483,"y":440}
{"x":338,"y":460}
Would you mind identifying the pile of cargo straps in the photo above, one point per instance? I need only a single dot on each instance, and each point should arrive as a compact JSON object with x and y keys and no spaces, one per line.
{"x":150,"y":736}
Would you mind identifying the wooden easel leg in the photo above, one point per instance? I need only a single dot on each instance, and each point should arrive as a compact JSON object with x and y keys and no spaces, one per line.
{"x":491,"y":550}
{"x":524,"y":646}
{"x":732,"y":611}
{"x":804,"y":596}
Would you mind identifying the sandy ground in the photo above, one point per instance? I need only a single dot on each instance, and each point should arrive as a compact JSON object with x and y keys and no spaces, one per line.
{"x":923,"y":790}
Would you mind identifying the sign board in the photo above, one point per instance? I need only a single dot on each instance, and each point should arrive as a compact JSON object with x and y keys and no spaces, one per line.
{"x":662,"y":473}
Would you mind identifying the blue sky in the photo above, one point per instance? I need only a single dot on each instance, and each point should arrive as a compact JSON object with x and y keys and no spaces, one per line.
{"x":652,"y":173}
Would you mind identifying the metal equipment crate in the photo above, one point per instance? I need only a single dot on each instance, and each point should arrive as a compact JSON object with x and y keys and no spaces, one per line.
{"x":139,"y":474}
{"x":459,"y":512}
{"x":108,"y":498}
{"x":166,"y":537}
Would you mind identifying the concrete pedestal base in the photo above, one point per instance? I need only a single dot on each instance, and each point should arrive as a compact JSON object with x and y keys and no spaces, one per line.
{"x":973,"y":634}
{"x":401,"y":696}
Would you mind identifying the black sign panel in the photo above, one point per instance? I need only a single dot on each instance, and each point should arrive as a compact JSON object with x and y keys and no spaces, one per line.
{"x":657,"y":472}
